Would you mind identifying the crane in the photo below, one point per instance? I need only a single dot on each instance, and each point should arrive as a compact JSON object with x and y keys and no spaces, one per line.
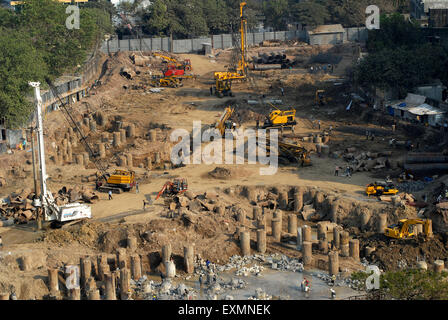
{"x":223,"y":80}
{"x":51,"y":211}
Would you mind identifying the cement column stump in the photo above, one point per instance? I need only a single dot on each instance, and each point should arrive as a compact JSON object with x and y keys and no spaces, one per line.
{"x":189,"y":259}
{"x":345,"y":252}
{"x":354,"y":249}
{"x":105,"y":137}
{"x":94,"y":294}
{"x":130,"y":131}
{"x":136,"y":267}
{"x":110,"y":287}
{"x":321,"y":231}
{"x":157,"y":158}
{"x":333,"y":263}
{"x":166,"y":252}
{"x":276,"y":229}
{"x":283,"y":200}
{"x":299,"y":238}
{"x":86,"y":158}
{"x":132,"y":243}
{"x":75,"y":294}
{"x":245,"y":243}
{"x":90,"y":285}
{"x":152,"y":135}
{"x":239,"y":230}
{"x":122,"y":258}
{"x":334,"y":212}
{"x":422,"y":265}
{"x":307,"y":253}
{"x":298,"y":200}
{"x":122,"y":161}
{"x":292,"y":224}
{"x":261,"y":222}
{"x":220,"y":210}
{"x":170,"y":268}
{"x":117,"y":139}
{"x":439,"y":265}
{"x":79,"y":159}
{"x":365,"y":217}
{"x":99,"y":118}
{"x":148,"y":163}
{"x":123,"y":136}
{"x":102,"y":150}
{"x":53,"y":281}
{"x":323,"y":246}
{"x":256,"y":213}
{"x":125,"y":284}
{"x":129,"y":160}
{"x":241,"y":217}
{"x":25,"y":263}
{"x":86,"y":121}
{"x":278,"y":215}
{"x":102,"y":270}
{"x":4,"y":296}
{"x":86,"y":270}
{"x":382,"y":223}
{"x":261,"y":240}
{"x":419,"y":228}
{"x":368,"y":251}
{"x":337,"y":236}
{"x":306,"y":233}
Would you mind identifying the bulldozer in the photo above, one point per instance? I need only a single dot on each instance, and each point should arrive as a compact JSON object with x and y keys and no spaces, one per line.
{"x":119,"y":181}
{"x":380,"y":188}
{"x":404,"y":229}
{"x":224,"y":122}
{"x":173,"y":188}
{"x":279,"y":118}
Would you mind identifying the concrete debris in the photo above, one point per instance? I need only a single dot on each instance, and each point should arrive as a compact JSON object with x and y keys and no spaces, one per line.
{"x":411,"y":186}
{"x":260,"y":295}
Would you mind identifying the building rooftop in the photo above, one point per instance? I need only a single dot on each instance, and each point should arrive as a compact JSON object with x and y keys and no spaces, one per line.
{"x":328,"y":28}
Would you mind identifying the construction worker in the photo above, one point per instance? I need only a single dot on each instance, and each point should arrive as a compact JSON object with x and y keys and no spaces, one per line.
{"x":136,"y":188}
{"x":372,"y":136}
{"x":110,"y":194}
{"x":367,"y":134}
{"x":1,"y":242}
{"x":318,"y":124}
{"x":332,"y":293}
{"x":336,"y":171}
{"x":145,"y":203}
{"x":283,"y":91}
{"x":258,"y":123}
{"x":333,"y":279}
{"x":330,"y":129}
{"x":234,"y":126}
{"x":347,"y":172}
{"x":211,"y":91}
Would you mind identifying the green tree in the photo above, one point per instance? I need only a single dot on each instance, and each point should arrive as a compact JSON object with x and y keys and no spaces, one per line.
{"x":276,"y":13}
{"x":20,"y":63}
{"x":310,"y":13}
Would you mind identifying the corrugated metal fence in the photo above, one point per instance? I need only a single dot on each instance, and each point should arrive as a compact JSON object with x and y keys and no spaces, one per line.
{"x":222,"y":41}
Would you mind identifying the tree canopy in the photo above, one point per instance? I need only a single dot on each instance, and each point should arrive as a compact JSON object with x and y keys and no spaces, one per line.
{"x":35,"y":44}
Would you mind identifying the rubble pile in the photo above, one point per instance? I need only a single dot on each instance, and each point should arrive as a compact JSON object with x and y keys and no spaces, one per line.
{"x":366,"y":161}
{"x":166,"y":290}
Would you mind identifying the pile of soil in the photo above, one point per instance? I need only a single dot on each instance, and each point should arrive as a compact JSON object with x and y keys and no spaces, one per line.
{"x":392,"y":255}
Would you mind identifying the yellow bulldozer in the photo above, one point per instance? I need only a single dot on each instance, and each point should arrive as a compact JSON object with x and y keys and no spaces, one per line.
{"x":320,"y":98}
{"x":279,"y":118}
{"x":119,"y":181}
{"x":404,"y":229}
{"x":380,"y":188}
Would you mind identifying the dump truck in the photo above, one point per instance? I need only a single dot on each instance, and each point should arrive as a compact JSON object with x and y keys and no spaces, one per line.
{"x":379,"y":188}
{"x":279,"y":118}
{"x":403,"y":229}
{"x":119,"y":181}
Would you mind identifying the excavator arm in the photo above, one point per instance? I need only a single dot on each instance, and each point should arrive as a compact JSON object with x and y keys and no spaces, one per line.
{"x":165,"y":186}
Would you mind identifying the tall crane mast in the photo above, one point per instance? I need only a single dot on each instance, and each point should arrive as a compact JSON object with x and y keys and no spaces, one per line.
{"x":51,"y":211}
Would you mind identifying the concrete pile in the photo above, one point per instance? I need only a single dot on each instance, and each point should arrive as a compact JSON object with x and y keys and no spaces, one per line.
{"x":366,"y":161}
{"x":412,"y":186}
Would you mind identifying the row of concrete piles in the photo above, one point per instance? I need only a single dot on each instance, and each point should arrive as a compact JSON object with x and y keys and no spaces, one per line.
{"x":108,"y":277}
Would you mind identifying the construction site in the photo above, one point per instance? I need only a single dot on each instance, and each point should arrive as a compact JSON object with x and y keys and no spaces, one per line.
{"x":95,"y":193}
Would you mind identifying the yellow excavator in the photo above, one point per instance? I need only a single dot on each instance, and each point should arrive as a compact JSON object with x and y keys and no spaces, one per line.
{"x":223,"y":80}
{"x":279,"y":118}
{"x":291,"y":152}
{"x":184,"y":65}
{"x":224,"y":122}
{"x":119,"y":181}
{"x":404,"y":228}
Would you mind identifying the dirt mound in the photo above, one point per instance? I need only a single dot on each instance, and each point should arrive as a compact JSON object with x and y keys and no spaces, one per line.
{"x":395,"y":254}
{"x":220,"y":173}
{"x":85,"y":234}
